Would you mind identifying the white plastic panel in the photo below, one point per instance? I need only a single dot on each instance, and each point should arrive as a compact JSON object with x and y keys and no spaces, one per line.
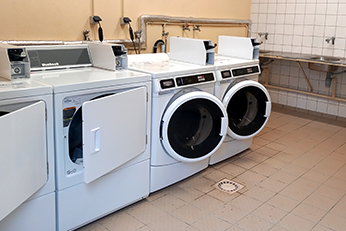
{"x":23,"y":158}
{"x":114,"y":131}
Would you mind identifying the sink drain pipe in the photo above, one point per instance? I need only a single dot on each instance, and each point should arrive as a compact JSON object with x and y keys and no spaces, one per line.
{"x":329,"y":78}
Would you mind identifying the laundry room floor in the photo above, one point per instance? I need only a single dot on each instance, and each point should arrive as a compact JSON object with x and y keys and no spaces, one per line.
{"x":294,"y":178}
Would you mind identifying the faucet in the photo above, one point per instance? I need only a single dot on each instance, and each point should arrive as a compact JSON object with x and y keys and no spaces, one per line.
{"x":86,"y":35}
{"x":197,"y":27}
{"x":186,"y":27}
{"x":330,"y":39}
{"x":265,"y":34}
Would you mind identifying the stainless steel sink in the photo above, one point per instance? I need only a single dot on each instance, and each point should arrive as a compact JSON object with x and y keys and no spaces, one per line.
{"x":325,"y":58}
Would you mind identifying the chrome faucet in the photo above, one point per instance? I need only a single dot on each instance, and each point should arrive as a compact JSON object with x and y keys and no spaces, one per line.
{"x":197,"y":27}
{"x":330,"y":39}
{"x":186,"y":27}
{"x":265,"y":34}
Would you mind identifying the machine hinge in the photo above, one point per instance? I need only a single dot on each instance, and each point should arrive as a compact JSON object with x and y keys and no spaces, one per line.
{"x":47,"y":168}
{"x":45,"y":113}
{"x":147,"y":97}
{"x":146,"y":139}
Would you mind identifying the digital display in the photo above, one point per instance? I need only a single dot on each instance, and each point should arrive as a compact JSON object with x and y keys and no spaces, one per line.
{"x":167,"y":83}
{"x":245,"y":71}
{"x":193,"y":79}
{"x":226,"y":74}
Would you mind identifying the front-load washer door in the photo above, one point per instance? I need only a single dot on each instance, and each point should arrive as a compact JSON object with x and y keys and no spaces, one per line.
{"x":114,"y":131}
{"x":193,"y":126}
{"x":23,"y":155}
{"x":248,"y":108}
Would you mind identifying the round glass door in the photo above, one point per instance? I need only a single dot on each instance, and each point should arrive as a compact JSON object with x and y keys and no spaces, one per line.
{"x":248,"y":108}
{"x":193,"y":126}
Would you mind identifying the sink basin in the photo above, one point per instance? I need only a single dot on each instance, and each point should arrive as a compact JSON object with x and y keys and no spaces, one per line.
{"x":325,"y":58}
{"x":322,"y":67}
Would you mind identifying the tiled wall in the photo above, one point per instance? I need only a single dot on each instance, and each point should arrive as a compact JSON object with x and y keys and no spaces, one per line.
{"x":302,"y":26}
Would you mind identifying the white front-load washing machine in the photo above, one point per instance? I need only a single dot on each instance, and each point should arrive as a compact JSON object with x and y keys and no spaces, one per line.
{"x":247,"y":103}
{"x":27,"y":175}
{"x":102,"y":127}
{"x":188,"y":122}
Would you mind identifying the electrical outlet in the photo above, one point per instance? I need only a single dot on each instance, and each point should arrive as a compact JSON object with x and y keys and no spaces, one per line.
{"x":92,"y":22}
{"x":124,"y":20}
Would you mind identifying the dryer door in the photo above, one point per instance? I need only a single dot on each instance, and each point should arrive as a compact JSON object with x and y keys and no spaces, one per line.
{"x":23,"y":157}
{"x":193,"y":126}
{"x":248,"y":107}
{"x":114,"y":131}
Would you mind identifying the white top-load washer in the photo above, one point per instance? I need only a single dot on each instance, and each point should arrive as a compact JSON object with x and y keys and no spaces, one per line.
{"x":27,"y":175}
{"x":102,"y":127}
{"x":188,"y":122}
{"x":247,"y":103}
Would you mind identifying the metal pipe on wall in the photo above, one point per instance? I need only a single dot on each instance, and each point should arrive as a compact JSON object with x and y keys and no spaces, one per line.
{"x":143,"y":20}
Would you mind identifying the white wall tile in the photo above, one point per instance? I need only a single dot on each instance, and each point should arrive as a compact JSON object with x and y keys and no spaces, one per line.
{"x":282,"y":97}
{"x":322,"y":105}
{"x":272,"y":8}
{"x":281,"y":8}
{"x":292,"y":99}
{"x":332,"y":8}
{"x":311,"y":103}
{"x":321,"y":8}
{"x":274,"y":95}
{"x":309,"y":19}
{"x":342,"y":109}
{"x":301,"y":101}
{"x":310,"y":8}
{"x":333,"y":107}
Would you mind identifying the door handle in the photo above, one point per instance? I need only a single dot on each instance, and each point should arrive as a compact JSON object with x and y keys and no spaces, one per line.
{"x":224,"y":126}
{"x":268,"y":108}
{"x":95,"y":140}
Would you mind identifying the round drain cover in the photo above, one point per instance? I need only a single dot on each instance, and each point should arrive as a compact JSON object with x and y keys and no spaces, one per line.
{"x":228,"y":186}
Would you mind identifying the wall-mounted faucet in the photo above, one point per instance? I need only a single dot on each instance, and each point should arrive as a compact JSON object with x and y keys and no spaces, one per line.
{"x":330,"y":39}
{"x":265,"y":34}
{"x":197,"y":27}
{"x":186,"y":27}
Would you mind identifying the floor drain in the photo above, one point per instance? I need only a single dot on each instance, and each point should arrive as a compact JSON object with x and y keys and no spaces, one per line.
{"x":228,"y":186}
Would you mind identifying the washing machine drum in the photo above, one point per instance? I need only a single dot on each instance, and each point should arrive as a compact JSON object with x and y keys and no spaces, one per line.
{"x":193,"y":126}
{"x":248,"y":107}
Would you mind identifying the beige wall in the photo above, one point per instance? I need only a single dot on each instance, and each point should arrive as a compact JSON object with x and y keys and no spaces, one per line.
{"x":65,"y":19}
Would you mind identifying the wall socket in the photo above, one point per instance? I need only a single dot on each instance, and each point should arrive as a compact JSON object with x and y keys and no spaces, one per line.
{"x":124,"y":20}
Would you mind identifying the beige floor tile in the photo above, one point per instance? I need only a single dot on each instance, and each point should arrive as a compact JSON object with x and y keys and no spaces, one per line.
{"x":233,"y":169}
{"x":244,"y":163}
{"x":224,"y":196}
{"x":294,"y":169}
{"x":309,"y":212}
{"x":168,"y":203}
{"x":246,"y":203}
{"x":249,"y":179}
{"x":267,"y":151}
{"x":146,"y":213}
{"x":145,"y":228}
{"x":121,"y":221}
{"x":286,"y":157}
{"x":188,"y":214}
{"x":234,"y":228}
{"x":211,"y":179}
{"x":340,"y":208}
{"x":272,"y":185}
{"x":257,"y":157}
{"x":276,"y":146}
{"x":320,"y":202}
{"x":333,"y":221}
{"x":265,"y":169}
{"x":230,"y":213}
{"x":331,"y":193}
{"x":278,"y":228}
{"x":270,"y":213}
{"x":315,"y":176}
{"x":305,"y":184}
{"x":336,"y":183}
{"x":321,"y":228}
{"x":252,"y":222}
{"x":295,"y":223}
{"x":259,"y":193}
{"x":260,"y":141}
{"x":207,"y":203}
{"x":208,"y":223}
{"x":186,"y":194}
{"x":168,"y":223}
{"x":283,"y":177}
{"x":273,"y":135}
{"x":282,"y":202}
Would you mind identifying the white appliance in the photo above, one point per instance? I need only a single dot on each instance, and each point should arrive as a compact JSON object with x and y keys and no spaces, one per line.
{"x":188,"y":122}
{"x":102,"y":124}
{"x":27,"y":176}
{"x":247,"y":103}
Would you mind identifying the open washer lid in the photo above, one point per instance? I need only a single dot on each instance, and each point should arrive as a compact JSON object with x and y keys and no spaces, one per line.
{"x":248,"y":108}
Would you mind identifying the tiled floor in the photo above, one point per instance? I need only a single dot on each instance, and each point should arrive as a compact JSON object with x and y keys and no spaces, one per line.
{"x":294,"y":177}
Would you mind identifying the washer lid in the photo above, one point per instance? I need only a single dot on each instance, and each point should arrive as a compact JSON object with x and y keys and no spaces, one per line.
{"x":193,"y":126}
{"x":23,"y":159}
{"x":248,"y":107}
{"x":116,"y":137}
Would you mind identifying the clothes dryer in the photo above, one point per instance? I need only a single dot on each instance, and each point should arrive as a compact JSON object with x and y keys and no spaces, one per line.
{"x":247,"y":103}
{"x":188,"y":122}
{"x":27,"y":175}
{"x":102,"y":125}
